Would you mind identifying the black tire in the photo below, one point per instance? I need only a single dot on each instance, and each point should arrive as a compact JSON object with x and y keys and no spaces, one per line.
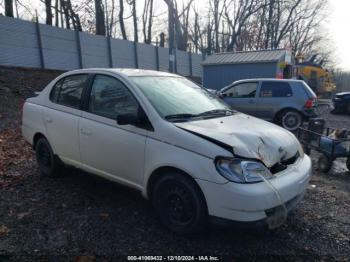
{"x":180,"y":204}
{"x":307,"y":150}
{"x":347,"y":109}
{"x":48,"y":163}
{"x":348,"y":163}
{"x":290,"y":119}
{"x":324,"y":163}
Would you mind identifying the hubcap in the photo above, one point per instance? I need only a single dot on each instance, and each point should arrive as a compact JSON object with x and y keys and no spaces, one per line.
{"x":291,"y":121}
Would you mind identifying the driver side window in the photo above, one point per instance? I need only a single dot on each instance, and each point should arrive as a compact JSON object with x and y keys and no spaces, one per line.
{"x":243,"y":90}
{"x":109,"y":98}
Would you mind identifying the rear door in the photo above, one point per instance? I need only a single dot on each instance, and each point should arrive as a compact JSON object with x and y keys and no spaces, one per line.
{"x":242,"y":97}
{"x":61,"y":116}
{"x":272,"y":97}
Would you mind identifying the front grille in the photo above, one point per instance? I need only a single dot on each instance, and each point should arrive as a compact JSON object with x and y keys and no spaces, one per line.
{"x":278,"y":167}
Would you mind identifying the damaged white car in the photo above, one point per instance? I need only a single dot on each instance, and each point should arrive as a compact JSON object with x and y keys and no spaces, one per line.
{"x":185,"y":150}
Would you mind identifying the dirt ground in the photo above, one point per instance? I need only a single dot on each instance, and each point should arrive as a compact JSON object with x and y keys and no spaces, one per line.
{"x":79,"y":217}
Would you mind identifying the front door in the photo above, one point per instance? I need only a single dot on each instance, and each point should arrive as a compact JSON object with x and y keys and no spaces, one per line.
{"x":242,"y":97}
{"x":106,"y":148}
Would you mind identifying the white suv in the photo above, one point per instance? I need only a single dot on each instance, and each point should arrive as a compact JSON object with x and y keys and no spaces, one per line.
{"x":160,"y":133}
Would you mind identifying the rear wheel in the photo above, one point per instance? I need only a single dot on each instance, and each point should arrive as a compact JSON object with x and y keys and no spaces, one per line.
{"x":290,"y":120}
{"x":180,"y":204}
{"x":48,"y":163}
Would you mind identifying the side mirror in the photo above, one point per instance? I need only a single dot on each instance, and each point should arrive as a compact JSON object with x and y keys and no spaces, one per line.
{"x":127,"y":119}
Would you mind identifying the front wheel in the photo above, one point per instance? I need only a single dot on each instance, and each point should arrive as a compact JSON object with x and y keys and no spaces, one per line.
{"x":48,"y":163}
{"x":291,"y":120}
{"x":180,"y":204}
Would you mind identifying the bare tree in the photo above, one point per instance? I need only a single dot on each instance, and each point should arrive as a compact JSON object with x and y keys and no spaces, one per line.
{"x":121,"y":19}
{"x":48,"y":12}
{"x":9,"y":8}
{"x":237,"y":13}
{"x":147,"y":21}
{"x":134,"y":19}
{"x":99,"y":18}
{"x":178,"y":24}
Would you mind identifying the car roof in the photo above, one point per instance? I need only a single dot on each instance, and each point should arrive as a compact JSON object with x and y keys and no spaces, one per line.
{"x":343,"y":93}
{"x":267,"y":79}
{"x":124,"y":71}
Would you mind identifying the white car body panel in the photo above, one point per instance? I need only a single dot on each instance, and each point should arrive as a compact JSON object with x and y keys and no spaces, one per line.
{"x":115,"y":150}
{"x":129,"y":155}
{"x":249,"y":136}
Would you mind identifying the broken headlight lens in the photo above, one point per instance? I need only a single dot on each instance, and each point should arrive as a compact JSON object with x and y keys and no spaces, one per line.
{"x":242,"y":171}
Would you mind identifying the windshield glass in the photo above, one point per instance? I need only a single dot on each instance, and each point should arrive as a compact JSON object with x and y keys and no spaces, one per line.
{"x":179,"y":97}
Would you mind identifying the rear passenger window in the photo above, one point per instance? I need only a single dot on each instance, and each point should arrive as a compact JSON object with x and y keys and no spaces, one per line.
{"x":242,"y":90}
{"x":275,"y":89}
{"x":69,"y":90}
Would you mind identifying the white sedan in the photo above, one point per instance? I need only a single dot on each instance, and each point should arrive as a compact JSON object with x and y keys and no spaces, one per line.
{"x":184,"y":149}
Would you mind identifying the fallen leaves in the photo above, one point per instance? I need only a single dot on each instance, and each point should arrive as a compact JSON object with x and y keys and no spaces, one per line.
{"x":13,"y":151}
{"x":4,"y":230}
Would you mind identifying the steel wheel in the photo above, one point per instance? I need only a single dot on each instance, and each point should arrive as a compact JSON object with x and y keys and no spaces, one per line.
{"x":180,"y":204}
{"x":291,"y":120}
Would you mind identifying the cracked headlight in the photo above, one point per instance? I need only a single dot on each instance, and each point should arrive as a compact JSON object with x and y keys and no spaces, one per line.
{"x":242,"y":170}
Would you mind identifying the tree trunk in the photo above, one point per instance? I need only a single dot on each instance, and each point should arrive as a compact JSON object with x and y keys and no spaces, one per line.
{"x":99,"y":18}
{"x":134,"y":18}
{"x":121,"y":19}
{"x":48,"y":12}
{"x":56,"y":13}
{"x":9,"y":8}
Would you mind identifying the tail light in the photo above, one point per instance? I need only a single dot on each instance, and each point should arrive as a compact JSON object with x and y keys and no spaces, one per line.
{"x":310,"y":103}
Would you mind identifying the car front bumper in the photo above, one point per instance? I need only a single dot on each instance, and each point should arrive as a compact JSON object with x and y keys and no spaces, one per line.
{"x":258,"y":202}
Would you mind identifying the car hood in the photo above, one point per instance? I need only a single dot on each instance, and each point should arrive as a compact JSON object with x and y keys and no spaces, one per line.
{"x":248,"y":136}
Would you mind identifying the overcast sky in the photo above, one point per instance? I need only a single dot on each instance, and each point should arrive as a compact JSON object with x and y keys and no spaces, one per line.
{"x":339,"y":28}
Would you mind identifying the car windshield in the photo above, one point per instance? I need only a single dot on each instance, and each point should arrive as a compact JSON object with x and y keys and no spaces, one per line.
{"x":178,"y":99}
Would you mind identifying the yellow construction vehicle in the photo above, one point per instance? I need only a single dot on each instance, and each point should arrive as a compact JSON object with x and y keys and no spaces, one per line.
{"x":316,"y":76}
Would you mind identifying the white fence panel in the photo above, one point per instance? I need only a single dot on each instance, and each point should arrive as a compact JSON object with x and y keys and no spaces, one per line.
{"x":59,"y":48}
{"x":123,"y":54}
{"x":163,"y":59}
{"x":18,"y":43}
{"x":94,"y":50}
{"x":147,"y":57}
{"x":197,"y":65}
{"x":183,"y":63}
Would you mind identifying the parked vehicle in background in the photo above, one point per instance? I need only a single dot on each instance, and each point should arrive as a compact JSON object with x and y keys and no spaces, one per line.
{"x":341,"y":103}
{"x":178,"y":144}
{"x":283,"y":101}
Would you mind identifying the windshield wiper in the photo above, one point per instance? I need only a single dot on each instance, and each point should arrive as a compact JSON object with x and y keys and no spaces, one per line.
{"x":183,"y":116}
{"x":216,"y":112}
{"x":210,"y":113}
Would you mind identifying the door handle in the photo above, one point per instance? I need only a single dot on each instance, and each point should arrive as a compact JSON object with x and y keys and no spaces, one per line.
{"x":85,"y":132}
{"x":251,"y":101}
{"x":48,"y":119}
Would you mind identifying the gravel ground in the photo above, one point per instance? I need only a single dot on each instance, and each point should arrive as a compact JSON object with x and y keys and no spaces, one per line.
{"x":80,"y":217}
